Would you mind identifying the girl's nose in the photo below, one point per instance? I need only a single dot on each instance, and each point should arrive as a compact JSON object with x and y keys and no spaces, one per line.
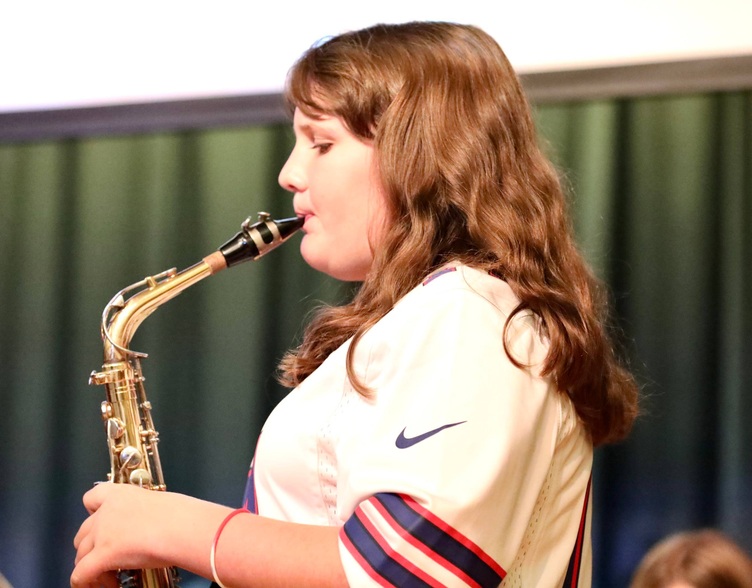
{"x":291,"y":176}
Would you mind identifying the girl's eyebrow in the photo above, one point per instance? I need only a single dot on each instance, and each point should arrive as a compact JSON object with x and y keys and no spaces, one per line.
{"x":311,"y":128}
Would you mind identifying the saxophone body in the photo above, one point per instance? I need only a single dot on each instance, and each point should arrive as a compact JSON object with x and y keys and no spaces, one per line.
{"x":132,"y":439}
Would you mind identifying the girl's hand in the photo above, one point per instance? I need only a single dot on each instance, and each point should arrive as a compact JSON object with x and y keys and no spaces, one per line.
{"x":128,"y":528}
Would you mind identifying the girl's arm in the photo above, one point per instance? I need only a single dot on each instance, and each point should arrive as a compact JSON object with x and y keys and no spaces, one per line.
{"x":131,"y":528}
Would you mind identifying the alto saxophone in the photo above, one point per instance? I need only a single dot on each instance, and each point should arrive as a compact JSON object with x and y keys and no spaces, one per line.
{"x":131,"y":437}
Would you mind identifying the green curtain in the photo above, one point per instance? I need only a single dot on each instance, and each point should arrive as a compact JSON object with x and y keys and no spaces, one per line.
{"x":662,"y":204}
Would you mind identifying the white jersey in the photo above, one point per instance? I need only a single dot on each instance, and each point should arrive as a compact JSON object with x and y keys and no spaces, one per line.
{"x":461,"y":469}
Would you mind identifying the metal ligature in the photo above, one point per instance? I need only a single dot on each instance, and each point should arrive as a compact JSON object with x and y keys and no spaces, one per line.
{"x":131,"y":437}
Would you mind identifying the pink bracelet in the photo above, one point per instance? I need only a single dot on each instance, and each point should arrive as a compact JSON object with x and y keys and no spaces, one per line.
{"x":213,"y":553}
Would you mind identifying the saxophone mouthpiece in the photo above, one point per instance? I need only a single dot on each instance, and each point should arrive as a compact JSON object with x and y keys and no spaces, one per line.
{"x":288,"y":226}
{"x":254,"y":240}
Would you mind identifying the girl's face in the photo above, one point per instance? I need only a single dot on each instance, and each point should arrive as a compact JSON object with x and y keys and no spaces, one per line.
{"x":336,"y":189}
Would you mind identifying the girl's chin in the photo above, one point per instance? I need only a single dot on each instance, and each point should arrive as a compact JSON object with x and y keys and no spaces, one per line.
{"x":344,"y":270}
{"x":314,"y":257}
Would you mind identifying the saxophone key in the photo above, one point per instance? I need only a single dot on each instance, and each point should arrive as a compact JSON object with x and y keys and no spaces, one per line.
{"x":106,"y":410}
{"x":140,"y":477}
{"x":130,"y":457}
{"x":115,"y":428}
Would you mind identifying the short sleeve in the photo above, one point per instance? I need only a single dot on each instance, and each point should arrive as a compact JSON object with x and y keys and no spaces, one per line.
{"x":444,"y":464}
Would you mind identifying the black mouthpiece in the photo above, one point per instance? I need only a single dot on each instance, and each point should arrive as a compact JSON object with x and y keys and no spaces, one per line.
{"x":255,"y":240}
{"x":288,"y":226}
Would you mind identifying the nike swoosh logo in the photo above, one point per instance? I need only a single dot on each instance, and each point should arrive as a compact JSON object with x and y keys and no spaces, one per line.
{"x":403,"y":442}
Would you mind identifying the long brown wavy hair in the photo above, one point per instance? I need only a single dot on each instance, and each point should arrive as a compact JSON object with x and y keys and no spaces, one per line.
{"x":464,"y":179}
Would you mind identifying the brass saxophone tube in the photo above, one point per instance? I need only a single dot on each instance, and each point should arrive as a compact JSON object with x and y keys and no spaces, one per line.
{"x":131,"y":437}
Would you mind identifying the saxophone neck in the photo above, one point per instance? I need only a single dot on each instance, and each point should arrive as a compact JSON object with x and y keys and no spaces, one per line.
{"x":122,"y":317}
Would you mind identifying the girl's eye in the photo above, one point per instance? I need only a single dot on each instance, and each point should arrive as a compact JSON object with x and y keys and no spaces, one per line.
{"x":322,"y":147}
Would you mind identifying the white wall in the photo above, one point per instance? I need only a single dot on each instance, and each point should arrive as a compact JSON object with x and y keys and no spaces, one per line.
{"x":83,"y":52}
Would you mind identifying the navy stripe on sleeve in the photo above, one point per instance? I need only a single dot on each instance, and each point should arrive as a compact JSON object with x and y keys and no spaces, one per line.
{"x":381,"y":565}
{"x":444,"y":546}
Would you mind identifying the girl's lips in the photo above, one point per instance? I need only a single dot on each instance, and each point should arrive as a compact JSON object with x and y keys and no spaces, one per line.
{"x":306,"y":216}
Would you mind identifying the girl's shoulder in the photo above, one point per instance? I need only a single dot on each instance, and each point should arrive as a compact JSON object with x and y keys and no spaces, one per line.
{"x":454,"y":282}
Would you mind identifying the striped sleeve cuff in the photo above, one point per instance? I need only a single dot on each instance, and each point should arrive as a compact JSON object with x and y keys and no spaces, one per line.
{"x":397,"y":542}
